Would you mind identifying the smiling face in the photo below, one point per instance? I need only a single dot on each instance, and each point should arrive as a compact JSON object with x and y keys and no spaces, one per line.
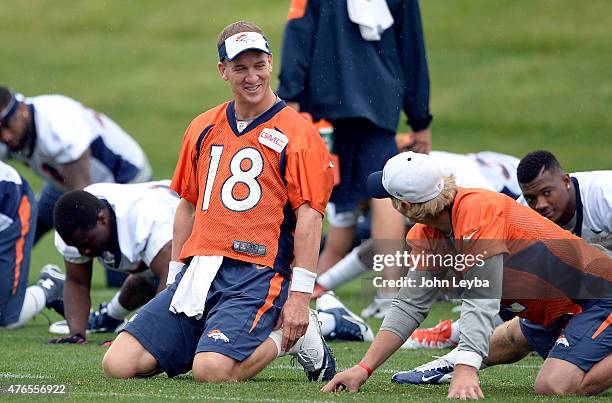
{"x":249,"y":78}
{"x":550,"y":194}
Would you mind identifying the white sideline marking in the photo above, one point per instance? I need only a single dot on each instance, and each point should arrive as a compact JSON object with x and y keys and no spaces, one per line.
{"x":192,"y":397}
{"x":22,"y":376}
{"x":522,"y":366}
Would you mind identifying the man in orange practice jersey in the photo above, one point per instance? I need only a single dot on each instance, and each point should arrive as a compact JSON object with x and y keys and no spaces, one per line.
{"x":254,"y":178}
{"x":502,"y":253}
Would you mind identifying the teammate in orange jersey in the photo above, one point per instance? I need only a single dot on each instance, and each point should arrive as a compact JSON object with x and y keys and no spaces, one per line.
{"x":550,"y":276}
{"x":254,"y":178}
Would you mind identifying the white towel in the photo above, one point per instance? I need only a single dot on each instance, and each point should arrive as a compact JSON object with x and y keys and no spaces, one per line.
{"x":190,"y":295}
{"x":372,"y":16}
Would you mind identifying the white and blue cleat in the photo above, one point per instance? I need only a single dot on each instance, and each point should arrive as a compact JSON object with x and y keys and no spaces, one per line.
{"x":433,"y":373}
{"x":348,"y":326}
{"x":98,"y":322}
{"x":313,"y":353}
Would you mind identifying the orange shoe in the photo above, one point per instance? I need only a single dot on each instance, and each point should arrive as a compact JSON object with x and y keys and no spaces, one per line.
{"x":438,"y":336}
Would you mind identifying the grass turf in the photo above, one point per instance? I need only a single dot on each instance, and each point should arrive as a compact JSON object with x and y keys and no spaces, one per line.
{"x":509,"y":76}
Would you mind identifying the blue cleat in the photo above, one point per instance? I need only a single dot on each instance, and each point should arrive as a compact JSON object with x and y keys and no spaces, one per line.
{"x":348,"y":326}
{"x":433,"y":373}
{"x":101,"y":322}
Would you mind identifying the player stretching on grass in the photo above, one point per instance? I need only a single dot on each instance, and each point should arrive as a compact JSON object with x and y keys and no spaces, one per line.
{"x":70,"y":146}
{"x":254,"y":178}
{"x":579,"y":202}
{"x":128,"y":228}
{"x":550,"y":276}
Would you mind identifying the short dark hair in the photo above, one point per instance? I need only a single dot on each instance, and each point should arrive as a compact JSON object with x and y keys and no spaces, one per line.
{"x":531,"y":165}
{"x":6,"y":95}
{"x":74,"y":210}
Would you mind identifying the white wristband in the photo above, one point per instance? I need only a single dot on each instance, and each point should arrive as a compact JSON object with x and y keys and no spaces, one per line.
{"x":174,"y":268}
{"x":302,"y":280}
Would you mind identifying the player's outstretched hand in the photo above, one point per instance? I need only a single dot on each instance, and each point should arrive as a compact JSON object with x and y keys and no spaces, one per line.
{"x":350,"y":379}
{"x":421,"y":142}
{"x":465,"y":384}
{"x":72,"y":339}
{"x":294,"y":318}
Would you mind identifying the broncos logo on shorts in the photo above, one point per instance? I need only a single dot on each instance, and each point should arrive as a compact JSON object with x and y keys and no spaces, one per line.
{"x":217,"y":334}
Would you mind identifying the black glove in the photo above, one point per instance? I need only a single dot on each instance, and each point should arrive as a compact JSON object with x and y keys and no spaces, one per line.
{"x":72,"y":339}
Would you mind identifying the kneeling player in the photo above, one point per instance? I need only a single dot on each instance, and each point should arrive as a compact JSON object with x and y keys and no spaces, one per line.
{"x":18,"y":302}
{"x":551,"y":277}
{"x":129,"y":229}
{"x":580,"y":202}
{"x":254,"y":178}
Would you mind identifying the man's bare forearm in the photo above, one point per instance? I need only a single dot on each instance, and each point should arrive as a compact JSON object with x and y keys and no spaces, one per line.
{"x":183,"y":224}
{"x":76,"y":306}
{"x":307,"y":237}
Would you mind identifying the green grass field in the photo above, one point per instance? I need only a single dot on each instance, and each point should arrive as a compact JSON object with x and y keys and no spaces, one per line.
{"x":509,"y":76}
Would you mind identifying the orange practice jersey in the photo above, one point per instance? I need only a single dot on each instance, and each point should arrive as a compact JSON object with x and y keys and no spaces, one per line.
{"x":545,"y":267}
{"x":246,"y":185}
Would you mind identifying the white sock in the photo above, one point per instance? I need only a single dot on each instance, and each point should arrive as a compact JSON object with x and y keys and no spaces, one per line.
{"x":454,"y":337}
{"x":277,"y":338}
{"x":342,"y":272}
{"x":451,"y":357}
{"x":328,"y":323}
{"x":116,"y":310}
{"x":33,"y":302}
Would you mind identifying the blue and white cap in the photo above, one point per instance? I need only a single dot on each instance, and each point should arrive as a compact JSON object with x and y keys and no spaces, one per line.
{"x":409,"y":176}
{"x":241,"y":42}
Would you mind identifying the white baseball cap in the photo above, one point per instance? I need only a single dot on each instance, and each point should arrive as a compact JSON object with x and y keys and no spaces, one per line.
{"x":409,"y":176}
{"x":241,"y":42}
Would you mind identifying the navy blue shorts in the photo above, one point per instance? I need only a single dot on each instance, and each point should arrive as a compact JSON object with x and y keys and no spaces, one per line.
{"x":15,"y":249}
{"x":362,"y":148}
{"x":584,"y":340}
{"x":242,"y":307}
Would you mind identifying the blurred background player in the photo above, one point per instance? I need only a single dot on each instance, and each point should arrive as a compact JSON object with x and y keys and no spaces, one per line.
{"x":18,"y":302}
{"x":486,"y":170}
{"x":531,"y":267}
{"x":254,"y":178}
{"x":358,"y":64}
{"x":580,"y":202}
{"x":129,"y":229}
{"x":70,"y":146}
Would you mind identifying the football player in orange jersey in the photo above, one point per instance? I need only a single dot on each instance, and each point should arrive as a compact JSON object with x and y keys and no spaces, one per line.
{"x":254,"y":178}
{"x":550,"y":276}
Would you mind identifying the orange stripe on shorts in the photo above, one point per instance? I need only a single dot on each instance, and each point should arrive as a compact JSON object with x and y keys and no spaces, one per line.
{"x":276,"y":283}
{"x":24,"y":217}
{"x":603,"y":327}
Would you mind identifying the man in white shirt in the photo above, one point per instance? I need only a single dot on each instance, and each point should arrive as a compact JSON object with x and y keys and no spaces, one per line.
{"x":129,"y":229}
{"x":69,"y":145}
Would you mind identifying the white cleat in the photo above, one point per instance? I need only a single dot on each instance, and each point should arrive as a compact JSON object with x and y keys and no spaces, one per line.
{"x":378,"y":308}
{"x":313,"y":353}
